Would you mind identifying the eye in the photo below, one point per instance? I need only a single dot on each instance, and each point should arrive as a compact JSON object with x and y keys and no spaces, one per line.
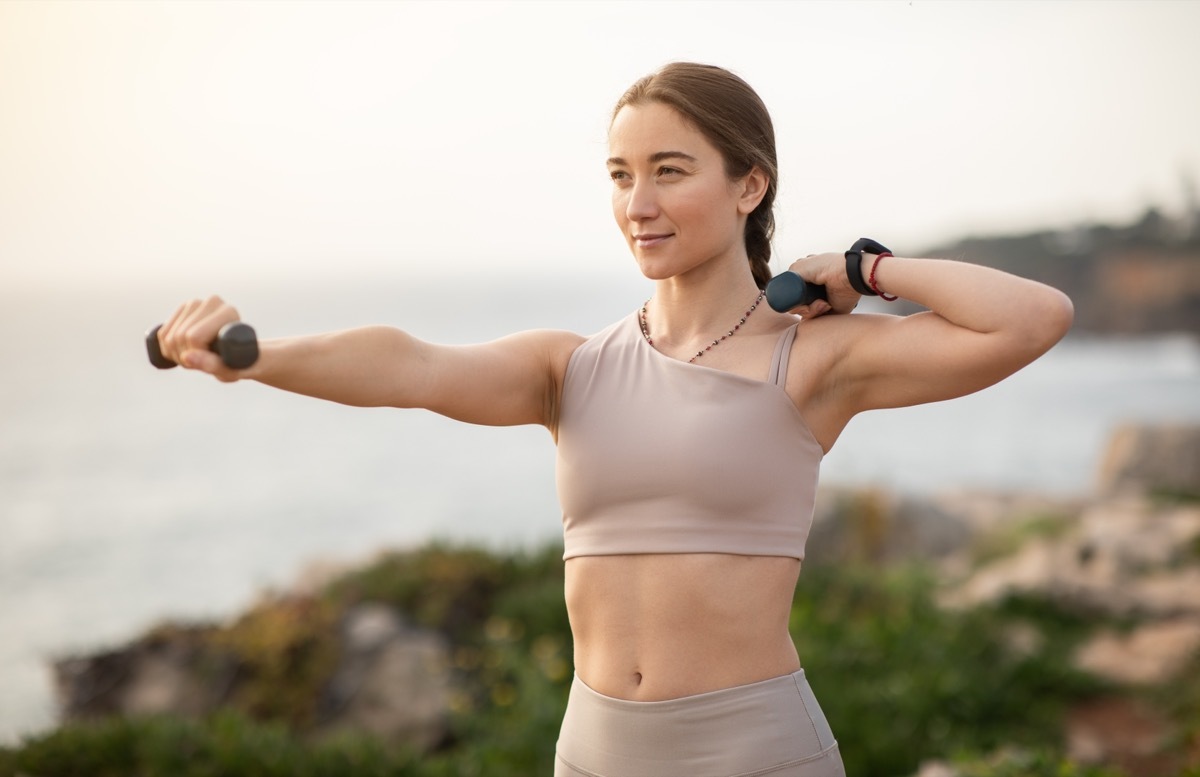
{"x":669,"y":171}
{"x":618,"y":176}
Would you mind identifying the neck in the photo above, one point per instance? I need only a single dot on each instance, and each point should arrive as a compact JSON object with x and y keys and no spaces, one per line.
{"x":687,"y":310}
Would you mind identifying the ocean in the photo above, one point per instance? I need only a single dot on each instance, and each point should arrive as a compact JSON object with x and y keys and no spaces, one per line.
{"x":129,"y":496}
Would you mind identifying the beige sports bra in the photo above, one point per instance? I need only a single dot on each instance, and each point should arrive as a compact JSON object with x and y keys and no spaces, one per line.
{"x":656,"y":455}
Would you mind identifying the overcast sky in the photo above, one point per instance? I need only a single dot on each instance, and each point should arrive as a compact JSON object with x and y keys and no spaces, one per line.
{"x":208,"y":140}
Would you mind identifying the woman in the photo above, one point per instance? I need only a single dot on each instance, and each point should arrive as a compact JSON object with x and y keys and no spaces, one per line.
{"x":689,"y":433}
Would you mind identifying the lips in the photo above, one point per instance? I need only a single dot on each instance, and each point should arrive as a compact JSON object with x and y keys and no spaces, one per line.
{"x":650,"y":240}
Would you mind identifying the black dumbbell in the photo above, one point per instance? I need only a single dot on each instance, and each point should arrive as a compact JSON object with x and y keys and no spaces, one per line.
{"x":788,"y":290}
{"x":236,"y":344}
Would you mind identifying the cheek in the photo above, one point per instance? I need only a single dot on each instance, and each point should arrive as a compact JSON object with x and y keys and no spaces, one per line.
{"x":618,"y":206}
{"x":693,"y":208}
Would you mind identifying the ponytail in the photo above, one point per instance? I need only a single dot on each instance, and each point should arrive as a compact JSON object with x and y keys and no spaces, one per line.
{"x":759,"y":229}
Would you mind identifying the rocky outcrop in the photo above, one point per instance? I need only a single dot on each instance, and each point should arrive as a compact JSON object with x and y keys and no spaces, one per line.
{"x":393,"y":680}
{"x":156,"y":674}
{"x":883,"y":527}
{"x":1128,"y":557}
{"x":1133,"y":557}
{"x":1149,"y":655}
{"x":386,"y":677}
{"x":1161,"y":458}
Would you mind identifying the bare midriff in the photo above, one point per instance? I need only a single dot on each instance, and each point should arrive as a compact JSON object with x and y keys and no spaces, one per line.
{"x":663,"y":626}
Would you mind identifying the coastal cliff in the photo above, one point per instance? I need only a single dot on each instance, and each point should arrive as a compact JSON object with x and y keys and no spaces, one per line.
{"x":1134,"y":279}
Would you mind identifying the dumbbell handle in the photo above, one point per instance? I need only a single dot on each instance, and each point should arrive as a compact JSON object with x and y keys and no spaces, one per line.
{"x":236,"y":344}
{"x":788,"y":290}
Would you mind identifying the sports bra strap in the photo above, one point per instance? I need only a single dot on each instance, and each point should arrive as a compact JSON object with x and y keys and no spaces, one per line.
{"x":779,"y":361}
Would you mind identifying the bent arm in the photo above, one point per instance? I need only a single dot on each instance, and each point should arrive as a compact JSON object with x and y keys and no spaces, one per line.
{"x":982,"y":326}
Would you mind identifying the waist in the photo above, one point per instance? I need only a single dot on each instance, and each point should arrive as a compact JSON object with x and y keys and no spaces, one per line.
{"x":652,"y":627}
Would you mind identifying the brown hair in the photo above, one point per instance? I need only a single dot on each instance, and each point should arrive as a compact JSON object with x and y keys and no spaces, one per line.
{"x":733,"y":118}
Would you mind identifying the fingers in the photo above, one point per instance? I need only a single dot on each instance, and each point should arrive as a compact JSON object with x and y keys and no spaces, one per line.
{"x":187,"y":334}
{"x":816,"y":308}
{"x":828,"y":270}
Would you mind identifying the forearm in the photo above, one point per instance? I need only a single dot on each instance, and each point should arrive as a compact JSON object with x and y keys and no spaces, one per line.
{"x":366,"y":367}
{"x":974,"y":297}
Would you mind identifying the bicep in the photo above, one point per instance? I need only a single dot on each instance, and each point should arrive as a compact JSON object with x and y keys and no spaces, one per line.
{"x":510,"y":381}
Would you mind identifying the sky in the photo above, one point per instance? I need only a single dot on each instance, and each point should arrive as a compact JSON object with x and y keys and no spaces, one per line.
{"x":201,"y":142}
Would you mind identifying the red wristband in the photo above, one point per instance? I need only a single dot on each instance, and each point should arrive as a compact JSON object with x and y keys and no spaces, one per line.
{"x":871,"y":280}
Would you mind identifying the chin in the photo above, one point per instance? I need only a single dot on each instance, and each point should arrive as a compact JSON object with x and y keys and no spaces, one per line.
{"x":651,"y":272}
{"x":657,"y":269}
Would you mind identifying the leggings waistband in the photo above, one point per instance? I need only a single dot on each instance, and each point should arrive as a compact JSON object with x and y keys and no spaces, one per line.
{"x":760,"y":728}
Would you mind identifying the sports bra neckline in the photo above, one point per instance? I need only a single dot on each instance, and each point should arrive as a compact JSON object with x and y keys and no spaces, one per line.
{"x":635,"y":322}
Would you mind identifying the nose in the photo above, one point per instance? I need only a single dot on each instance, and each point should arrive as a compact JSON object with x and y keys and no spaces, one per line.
{"x":642,"y":202}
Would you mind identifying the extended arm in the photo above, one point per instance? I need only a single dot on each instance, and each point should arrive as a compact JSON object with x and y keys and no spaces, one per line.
{"x":513,"y":380}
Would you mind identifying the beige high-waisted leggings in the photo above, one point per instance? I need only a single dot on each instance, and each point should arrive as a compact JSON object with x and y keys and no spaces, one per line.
{"x":774,"y":727}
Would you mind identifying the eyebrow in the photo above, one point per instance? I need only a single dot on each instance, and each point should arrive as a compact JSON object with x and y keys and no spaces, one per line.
{"x":657,"y":156}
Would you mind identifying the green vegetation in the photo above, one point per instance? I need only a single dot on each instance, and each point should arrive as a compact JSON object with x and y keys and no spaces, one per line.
{"x":901,"y":680}
{"x":1010,"y":536}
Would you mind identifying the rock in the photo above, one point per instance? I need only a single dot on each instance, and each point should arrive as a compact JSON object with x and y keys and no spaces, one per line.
{"x":160,"y":683}
{"x":936,"y":769}
{"x":985,"y":511}
{"x":1120,"y":732}
{"x":154,"y":675}
{"x":877,"y":526}
{"x":393,"y":680}
{"x":1124,"y":557}
{"x":1152,"y":654}
{"x":1143,"y":458}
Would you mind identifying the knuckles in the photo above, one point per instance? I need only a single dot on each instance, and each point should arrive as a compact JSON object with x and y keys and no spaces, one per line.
{"x":194,"y":326}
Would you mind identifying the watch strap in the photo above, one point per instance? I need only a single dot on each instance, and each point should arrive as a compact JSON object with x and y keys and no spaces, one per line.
{"x":854,"y":264}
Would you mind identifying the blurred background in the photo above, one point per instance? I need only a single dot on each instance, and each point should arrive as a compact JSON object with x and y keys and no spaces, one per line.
{"x":439,"y":167}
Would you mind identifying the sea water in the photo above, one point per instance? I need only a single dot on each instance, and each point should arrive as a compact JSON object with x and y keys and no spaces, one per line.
{"x":129,"y":495}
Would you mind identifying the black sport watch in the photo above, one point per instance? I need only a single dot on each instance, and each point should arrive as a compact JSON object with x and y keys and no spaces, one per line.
{"x":854,"y":264}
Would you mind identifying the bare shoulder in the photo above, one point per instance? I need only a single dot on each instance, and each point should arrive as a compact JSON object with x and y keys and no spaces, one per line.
{"x":822,"y":344}
{"x":554,"y":346}
{"x":515,"y":379}
{"x":820,"y":371}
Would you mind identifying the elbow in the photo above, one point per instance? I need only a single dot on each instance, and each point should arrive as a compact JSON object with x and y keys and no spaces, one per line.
{"x":1060,"y":315}
{"x":1050,"y":319}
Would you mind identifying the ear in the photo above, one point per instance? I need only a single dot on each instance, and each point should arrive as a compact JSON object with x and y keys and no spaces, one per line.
{"x":753,"y":189}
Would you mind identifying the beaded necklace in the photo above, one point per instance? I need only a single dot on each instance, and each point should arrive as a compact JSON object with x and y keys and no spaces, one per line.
{"x":714,"y":343}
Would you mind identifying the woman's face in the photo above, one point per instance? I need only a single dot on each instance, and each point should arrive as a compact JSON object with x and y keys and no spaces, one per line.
{"x":671,"y":197}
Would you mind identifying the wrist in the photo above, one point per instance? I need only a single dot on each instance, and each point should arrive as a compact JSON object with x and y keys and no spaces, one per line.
{"x":855,"y":265}
{"x":872,"y":275}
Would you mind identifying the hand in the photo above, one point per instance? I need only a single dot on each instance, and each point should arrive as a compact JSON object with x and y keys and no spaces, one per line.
{"x":828,"y":270}
{"x":185,"y":337}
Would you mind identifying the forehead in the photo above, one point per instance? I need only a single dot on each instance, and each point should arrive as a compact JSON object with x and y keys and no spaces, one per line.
{"x":640,"y":131}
